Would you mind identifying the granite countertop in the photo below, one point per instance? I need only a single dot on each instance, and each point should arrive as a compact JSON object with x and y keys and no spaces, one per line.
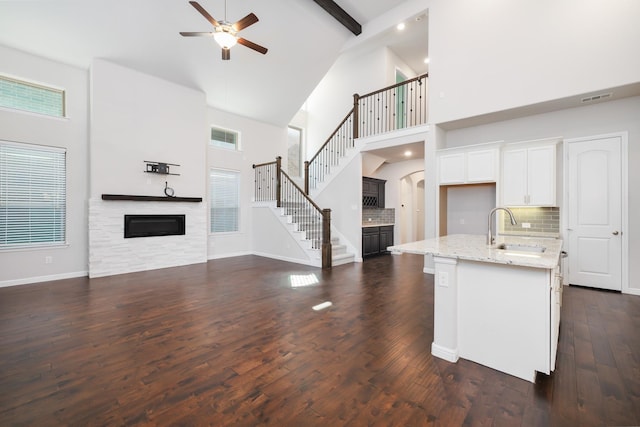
{"x":369,"y":224}
{"x":473,"y":247}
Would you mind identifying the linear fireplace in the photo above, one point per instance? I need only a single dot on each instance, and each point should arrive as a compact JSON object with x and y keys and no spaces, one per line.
{"x":153,"y":225}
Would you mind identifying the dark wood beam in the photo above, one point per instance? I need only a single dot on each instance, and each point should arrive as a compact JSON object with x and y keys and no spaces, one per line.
{"x":339,"y":13}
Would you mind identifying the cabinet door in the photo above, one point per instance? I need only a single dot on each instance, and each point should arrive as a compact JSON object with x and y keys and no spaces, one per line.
{"x":370,"y":241}
{"x":541,"y":174}
{"x":481,"y":166}
{"x":386,"y":238}
{"x":514,"y":177}
{"x":451,"y":168}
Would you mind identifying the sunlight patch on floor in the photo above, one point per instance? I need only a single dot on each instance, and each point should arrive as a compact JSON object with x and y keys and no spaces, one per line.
{"x":300,"y":281}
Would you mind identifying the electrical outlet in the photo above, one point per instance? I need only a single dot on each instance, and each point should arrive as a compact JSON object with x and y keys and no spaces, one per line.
{"x":48,"y":259}
{"x":526,"y":225}
{"x":462,"y":221}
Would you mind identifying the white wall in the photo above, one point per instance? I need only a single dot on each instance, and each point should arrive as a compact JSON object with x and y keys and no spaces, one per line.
{"x":137,"y":117}
{"x":343,"y":195}
{"x":272,"y":239}
{"x":468,"y":206}
{"x":493,"y":56}
{"x":259,"y":143}
{"x":26,"y":266}
{"x":361,"y":72}
{"x":394,"y":173}
{"x":597,"y":119}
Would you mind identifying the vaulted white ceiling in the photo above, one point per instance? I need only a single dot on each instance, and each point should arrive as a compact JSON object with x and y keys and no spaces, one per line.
{"x":303,"y":42}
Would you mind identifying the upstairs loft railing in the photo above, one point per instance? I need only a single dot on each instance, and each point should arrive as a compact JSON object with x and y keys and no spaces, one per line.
{"x":398,"y":106}
{"x":272,"y":183}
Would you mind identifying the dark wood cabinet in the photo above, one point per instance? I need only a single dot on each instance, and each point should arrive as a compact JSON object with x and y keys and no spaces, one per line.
{"x":375,"y":240}
{"x":373,"y":192}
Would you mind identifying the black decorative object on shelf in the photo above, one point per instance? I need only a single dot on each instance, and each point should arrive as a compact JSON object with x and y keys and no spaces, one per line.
{"x":159,"y":167}
{"x":168,"y":191}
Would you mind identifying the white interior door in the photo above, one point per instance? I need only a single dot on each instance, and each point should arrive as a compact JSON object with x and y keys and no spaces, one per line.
{"x":595,"y":213}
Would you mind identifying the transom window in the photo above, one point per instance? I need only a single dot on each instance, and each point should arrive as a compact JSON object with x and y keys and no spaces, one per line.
{"x":26,"y":96}
{"x":225,"y":138}
{"x":32,"y":195}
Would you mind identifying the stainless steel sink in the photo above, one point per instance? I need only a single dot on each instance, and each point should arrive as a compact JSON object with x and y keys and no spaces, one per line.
{"x":512,"y":247}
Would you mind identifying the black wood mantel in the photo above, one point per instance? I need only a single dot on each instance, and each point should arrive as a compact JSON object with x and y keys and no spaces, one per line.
{"x":150,"y":198}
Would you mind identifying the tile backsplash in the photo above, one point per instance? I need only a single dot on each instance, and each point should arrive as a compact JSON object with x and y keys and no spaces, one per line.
{"x":372,"y":216}
{"x":542,"y":220}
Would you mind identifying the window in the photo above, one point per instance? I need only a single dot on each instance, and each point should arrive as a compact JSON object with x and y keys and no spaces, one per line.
{"x":224,"y":138}
{"x":294,"y":151}
{"x":225,"y":201}
{"x":32,"y":195}
{"x":26,"y":96}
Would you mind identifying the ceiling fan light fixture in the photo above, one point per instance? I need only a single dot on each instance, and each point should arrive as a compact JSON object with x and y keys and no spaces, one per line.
{"x":225,"y":39}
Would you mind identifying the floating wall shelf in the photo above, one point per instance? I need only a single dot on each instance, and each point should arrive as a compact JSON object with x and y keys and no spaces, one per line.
{"x":150,"y":198}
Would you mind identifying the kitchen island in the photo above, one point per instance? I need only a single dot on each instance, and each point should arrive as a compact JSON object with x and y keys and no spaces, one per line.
{"x":496,"y":305}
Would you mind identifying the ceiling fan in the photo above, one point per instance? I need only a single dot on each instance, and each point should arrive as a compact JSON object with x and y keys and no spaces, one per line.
{"x":226,"y":33}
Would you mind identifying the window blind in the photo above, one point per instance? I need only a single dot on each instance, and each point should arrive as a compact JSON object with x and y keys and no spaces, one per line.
{"x":225,"y":200}
{"x":32,"y":195}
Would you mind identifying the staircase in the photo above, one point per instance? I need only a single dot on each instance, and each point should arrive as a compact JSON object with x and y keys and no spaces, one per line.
{"x":395,"y":107}
{"x":308,"y":235}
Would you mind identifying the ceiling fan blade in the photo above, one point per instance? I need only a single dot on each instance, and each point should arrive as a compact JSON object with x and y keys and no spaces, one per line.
{"x":196,"y":34}
{"x":226,"y":54}
{"x":250,"y":19}
{"x":252,"y":45}
{"x":205,"y":13}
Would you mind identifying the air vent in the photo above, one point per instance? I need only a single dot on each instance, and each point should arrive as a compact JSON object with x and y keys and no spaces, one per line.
{"x":599,"y":97}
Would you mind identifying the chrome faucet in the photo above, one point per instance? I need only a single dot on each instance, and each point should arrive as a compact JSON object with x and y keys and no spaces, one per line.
{"x":490,"y":238}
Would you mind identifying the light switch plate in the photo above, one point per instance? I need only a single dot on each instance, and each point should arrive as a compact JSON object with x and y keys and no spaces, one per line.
{"x":443,"y":279}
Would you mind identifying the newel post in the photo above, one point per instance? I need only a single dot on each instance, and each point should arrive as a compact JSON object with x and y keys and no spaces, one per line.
{"x":306,"y":177}
{"x":326,"y":238}
{"x":278,"y":185}
{"x":356,"y":119}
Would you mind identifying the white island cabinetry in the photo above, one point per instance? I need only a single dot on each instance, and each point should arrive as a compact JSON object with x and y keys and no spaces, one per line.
{"x":492,"y":306}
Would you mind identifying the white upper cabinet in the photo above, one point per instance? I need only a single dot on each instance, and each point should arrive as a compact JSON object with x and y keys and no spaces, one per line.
{"x":529,"y":176}
{"x":468,"y":167}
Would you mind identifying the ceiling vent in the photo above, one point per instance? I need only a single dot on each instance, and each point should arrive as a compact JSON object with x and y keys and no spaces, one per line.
{"x":599,"y":97}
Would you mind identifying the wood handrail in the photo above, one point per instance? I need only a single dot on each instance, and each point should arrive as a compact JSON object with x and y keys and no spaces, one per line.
{"x":306,"y":196}
{"x":332,"y":134}
{"x":257,"y":165}
{"x":375,"y":92}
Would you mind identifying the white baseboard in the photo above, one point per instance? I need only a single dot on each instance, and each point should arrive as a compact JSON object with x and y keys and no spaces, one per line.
{"x":288,"y":259}
{"x":230,"y":255}
{"x":631,"y":291}
{"x":447,"y":354}
{"x":39,"y":279}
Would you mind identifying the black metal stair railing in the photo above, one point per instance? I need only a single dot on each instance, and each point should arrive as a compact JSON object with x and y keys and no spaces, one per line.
{"x":271,"y":183}
{"x":399,"y":106}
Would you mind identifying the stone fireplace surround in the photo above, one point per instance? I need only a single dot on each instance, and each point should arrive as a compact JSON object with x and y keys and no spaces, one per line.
{"x":110,"y":253}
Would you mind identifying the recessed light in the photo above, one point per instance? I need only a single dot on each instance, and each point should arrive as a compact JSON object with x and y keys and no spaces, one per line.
{"x":407,"y":153}
{"x":426,"y":60}
{"x":400,"y":26}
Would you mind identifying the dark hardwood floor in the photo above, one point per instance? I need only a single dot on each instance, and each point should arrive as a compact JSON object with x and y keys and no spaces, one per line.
{"x":231,"y":342}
